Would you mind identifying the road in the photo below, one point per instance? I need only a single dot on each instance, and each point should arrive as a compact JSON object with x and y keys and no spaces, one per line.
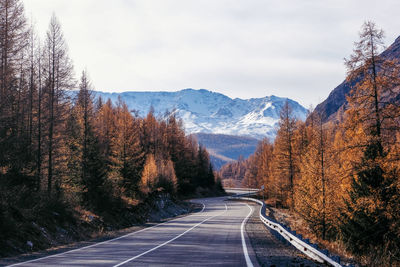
{"x":215,"y":236}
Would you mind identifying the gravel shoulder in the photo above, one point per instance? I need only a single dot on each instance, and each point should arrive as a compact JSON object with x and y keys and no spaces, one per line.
{"x":269,"y":250}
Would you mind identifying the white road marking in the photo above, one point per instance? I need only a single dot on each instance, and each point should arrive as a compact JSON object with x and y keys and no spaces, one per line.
{"x":104,"y":242}
{"x":245,"y":251}
{"x":169,"y":241}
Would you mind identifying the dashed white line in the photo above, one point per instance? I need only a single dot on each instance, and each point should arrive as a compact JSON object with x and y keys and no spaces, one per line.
{"x":169,"y":241}
{"x":245,"y":251}
{"x":104,"y":242}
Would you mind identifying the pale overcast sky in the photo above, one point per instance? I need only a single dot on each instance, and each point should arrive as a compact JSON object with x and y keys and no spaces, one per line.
{"x":241,"y":48}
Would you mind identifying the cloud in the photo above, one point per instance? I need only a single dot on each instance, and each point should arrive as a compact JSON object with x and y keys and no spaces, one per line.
{"x":241,"y":48}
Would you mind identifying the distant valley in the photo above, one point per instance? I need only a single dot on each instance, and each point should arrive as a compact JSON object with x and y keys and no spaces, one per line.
{"x":226,"y":148}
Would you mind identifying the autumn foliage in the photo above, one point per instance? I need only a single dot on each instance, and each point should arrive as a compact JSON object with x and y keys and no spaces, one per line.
{"x":63,"y":147}
{"x":342,"y":177}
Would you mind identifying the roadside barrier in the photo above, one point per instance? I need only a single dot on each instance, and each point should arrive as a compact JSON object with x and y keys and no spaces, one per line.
{"x":285,"y":233}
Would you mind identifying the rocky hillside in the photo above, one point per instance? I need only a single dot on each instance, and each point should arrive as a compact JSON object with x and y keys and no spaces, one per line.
{"x":333,"y":107}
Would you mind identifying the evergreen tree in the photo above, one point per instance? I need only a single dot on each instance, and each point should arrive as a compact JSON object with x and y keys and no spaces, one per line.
{"x":95,"y":192}
{"x":92,"y":168}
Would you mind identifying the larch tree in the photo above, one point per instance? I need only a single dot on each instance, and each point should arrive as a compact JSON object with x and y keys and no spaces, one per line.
{"x":373,"y":118}
{"x":166,"y":178}
{"x":59,"y":71}
{"x":264,"y":175}
{"x":285,"y":167}
{"x":130,"y":152}
{"x":14,"y":141}
{"x":39,"y":55}
{"x":315,"y":187}
{"x":149,"y":175}
{"x":13,"y":41}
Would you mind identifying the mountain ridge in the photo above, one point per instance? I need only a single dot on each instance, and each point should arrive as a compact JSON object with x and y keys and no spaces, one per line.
{"x":333,"y":107}
{"x":204,"y":111}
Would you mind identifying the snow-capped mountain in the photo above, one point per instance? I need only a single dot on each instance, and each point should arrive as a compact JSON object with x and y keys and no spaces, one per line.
{"x":209,"y":112}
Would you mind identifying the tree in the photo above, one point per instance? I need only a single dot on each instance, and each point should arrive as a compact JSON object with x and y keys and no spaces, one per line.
{"x":106,"y":131}
{"x":316,"y":186}
{"x":371,"y":117}
{"x":264,"y":175}
{"x":96,"y":192}
{"x":86,"y":116}
{"x":149,"y":175}
{"x":204,"y":175}
{"x":285,"y":156}
{"x":59,"y":78}
{"x":250,"y":176}
{"x":91,"y":170}
{"x":130,"y":153}
{"x":166,"y":176}
{"x":13,"y":41}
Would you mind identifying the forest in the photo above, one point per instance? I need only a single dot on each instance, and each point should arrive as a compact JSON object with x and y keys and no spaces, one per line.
{"x":61,"y":149}
{"x":341,"y":176}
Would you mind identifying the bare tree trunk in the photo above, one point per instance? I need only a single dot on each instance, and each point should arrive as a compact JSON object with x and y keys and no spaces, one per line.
{"x":375,"y":93}
{"x":51,"y":126}
{"x":31,"y":89}
{"x":322,"y":149}
{"x":39,"y":137}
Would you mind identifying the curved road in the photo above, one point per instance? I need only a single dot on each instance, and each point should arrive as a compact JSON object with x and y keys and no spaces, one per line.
{"x":213,"y":237}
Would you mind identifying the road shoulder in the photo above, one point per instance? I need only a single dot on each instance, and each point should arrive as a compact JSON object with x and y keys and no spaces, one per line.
{"x":269,"y":250}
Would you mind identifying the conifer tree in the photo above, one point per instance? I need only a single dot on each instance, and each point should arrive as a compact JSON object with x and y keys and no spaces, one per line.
{"x":92,"y":171}
{"x":366,"y":222}
{"x":149,"y":175}
{"x":284,"y":155}
{"x":315,"y":188}
{"x":130,"y":152}
{"x":59,"y":71}
{"x":14,"y":136}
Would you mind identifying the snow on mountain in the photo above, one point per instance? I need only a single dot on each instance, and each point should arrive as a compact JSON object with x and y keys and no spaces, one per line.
{"x":209,"y":112}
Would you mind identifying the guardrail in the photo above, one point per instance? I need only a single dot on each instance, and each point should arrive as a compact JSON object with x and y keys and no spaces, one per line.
{"x":242,"y":188}
{"x":296,"y":240}
{"x":252,"y":193}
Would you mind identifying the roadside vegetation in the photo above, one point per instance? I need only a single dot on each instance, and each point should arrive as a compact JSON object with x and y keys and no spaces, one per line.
{"x":67,"y":159}
{"x":341,"y":177}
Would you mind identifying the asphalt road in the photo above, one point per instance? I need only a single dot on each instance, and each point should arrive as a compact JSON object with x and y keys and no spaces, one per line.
{"x":213,"y":237}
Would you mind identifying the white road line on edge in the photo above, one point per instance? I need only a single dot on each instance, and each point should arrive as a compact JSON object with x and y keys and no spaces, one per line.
{"x":169,"y":241}
{"x":104,"y":242}
{"x":245,"y":251}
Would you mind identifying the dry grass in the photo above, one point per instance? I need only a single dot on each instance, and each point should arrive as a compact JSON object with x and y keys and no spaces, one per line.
{"x":298,"y":224}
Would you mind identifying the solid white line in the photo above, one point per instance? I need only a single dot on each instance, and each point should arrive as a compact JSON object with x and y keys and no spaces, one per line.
{"x":104,"y":242}
{"x":169,"y":241}
{"x":245,"y":251}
